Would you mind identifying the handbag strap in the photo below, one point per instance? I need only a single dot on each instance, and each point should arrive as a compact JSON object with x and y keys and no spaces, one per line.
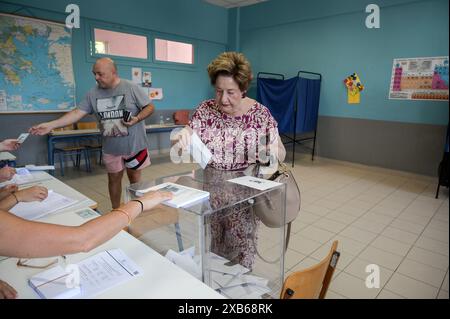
{"x":288,"y":236}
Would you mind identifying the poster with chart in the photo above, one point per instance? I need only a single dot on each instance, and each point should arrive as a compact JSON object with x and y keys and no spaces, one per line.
{"x":420,"y":79}
{"x":36,"y":72}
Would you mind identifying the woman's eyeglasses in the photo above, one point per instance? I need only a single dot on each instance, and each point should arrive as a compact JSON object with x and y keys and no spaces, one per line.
{"x":38,"y":264}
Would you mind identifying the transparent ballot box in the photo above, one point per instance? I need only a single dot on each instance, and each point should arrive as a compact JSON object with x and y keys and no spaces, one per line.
{"x":233,"y":240}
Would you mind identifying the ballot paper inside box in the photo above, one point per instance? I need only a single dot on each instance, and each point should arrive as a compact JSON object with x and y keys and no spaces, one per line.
{"x":199,"y":240}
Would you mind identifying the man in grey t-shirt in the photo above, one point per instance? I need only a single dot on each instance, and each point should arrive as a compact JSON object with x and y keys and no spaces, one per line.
{"x":124,"y":142}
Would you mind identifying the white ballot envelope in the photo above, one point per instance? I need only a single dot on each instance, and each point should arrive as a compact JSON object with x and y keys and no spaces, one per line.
{"x":201,"y":154}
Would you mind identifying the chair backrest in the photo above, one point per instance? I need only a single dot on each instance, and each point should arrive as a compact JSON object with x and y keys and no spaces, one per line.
{"x":181,"y":117}
{"x":313,"y":282}
{"x":86,"y":125}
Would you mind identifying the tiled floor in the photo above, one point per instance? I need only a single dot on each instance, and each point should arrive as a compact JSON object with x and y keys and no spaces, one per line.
{"x":382,"y":217}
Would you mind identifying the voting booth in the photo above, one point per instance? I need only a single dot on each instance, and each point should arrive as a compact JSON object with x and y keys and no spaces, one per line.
{"x":223,"y":239}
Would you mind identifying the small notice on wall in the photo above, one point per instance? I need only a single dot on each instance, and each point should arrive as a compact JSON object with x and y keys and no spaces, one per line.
{"x":420,"y":79}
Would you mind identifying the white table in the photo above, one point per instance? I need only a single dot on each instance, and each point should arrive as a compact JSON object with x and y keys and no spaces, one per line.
{"x":161,"y":279}
{"x":50,"y":182}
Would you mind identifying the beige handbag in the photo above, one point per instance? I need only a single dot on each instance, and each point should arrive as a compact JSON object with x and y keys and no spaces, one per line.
{"x":267,"y":206}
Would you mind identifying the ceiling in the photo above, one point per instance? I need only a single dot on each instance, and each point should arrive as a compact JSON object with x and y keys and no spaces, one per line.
{"x":233,"y":3}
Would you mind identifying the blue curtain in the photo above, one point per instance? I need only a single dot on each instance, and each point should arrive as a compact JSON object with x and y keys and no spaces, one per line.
{"x":308,"y":93}
{"x":279,"y":96}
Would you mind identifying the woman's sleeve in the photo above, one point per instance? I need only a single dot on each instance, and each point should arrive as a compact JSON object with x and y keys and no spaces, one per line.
{"x":196,"y":119}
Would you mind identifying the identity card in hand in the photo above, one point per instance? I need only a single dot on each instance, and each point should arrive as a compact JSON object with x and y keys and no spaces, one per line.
{"x":22,"y":137}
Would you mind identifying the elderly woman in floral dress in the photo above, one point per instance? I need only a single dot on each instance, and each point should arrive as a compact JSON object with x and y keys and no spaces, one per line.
{"x":238,"y":131}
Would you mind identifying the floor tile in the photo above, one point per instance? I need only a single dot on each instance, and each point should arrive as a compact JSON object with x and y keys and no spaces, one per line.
{"x":430,"y":275}
{"x":330,"y":225}
{"x":303,"y":245}
{"x":428,"y":257}
{"x":352,"y":287}
{"x":358,"y":234}
{"x":381,"y":257}
{"x":411,"y":288}
{"x":317,"y":234}
{"x":433,"y":245}
{"x":386,"y":294}
{"x":391,"y":245}
{"x":400,"y":235}
{"x":358,"y":268}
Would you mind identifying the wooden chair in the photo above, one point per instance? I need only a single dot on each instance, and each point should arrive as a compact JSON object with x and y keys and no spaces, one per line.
{"x":313,"y":282}
{"x":93,"y":145}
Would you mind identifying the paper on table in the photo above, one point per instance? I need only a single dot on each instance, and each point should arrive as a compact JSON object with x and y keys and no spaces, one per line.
{"x":201,"y":154}
{"x":98,"y":273}
{"x":35,"y":210}
{"x":255,"y":182}
{"x":106,"y":270}
{"x":32,"y":167}
{"x":52,"y":284}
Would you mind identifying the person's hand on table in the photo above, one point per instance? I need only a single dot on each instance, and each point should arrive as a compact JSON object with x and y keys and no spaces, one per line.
{"x":6,"y":173}
{"x":6,"y":291}
{"x":7,"y":190}
{"x":35,"y":193}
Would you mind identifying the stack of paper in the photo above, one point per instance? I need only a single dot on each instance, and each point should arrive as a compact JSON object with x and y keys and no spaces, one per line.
{"x":93,"y":276}
{"x":53,"y":284}
{"x":35,"y":210}
{"x":183,"y":196}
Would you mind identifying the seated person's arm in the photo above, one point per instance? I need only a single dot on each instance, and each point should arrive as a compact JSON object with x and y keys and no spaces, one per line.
{"x":31,"y":194}
{"x":7,"y":190}
{"x":27,"y":239}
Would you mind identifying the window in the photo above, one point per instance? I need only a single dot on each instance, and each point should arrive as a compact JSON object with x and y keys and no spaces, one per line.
{"x":121,"y":44}
{"x":172,"y":51}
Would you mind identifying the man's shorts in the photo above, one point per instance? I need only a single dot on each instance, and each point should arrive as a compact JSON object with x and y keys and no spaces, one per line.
{"x":117,"y":163}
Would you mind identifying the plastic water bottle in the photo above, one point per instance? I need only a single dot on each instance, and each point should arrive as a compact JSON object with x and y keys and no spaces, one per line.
{"x":161,"y":120}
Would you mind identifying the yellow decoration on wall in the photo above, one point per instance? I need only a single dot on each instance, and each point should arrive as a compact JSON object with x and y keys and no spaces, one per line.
{"x":354,"y":87}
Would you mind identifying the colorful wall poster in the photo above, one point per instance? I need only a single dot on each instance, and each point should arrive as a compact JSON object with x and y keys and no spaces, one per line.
{"x":354,"y":87}
{"x":420,"y":79}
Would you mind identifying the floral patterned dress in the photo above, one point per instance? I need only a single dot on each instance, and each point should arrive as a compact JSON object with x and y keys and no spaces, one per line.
{"x":235,"y":142}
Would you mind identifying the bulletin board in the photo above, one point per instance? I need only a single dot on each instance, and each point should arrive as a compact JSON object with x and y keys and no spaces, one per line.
{"x":420,"y":79}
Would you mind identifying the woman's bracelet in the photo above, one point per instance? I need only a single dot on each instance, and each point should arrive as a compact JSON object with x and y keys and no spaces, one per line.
{"x":137,"y":200}
{"x":123,"y":212}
